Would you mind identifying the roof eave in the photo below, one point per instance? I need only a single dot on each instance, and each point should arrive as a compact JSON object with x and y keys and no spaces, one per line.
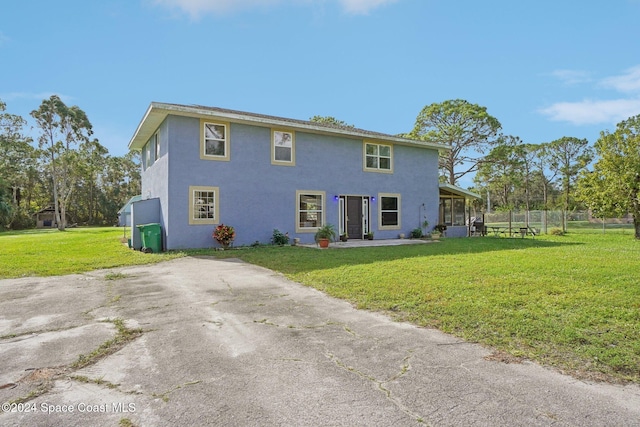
{"x":460,"y":191}
{"x":157,"y":112}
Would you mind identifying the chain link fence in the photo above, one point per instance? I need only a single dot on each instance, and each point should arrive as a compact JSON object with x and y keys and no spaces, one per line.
{"x":543,"y":221}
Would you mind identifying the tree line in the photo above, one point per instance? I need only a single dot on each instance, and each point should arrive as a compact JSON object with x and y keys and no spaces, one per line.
{"x":64,"y":168}
{"x":67,"y":169}
{"x":565,"y":174}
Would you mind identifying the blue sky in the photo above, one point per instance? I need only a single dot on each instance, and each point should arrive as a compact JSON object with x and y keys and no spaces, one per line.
{"x":545,"y":69}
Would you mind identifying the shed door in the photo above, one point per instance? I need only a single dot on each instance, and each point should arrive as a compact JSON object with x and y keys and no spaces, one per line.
{"x":354,"y":217}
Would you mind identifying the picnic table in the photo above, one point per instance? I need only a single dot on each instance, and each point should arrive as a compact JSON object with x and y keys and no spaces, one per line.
{"x":498,"y":229}
{"x":512,"y":231}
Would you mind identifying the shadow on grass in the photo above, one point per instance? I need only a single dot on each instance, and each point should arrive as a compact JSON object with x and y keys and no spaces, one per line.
{"x":291,"y":259}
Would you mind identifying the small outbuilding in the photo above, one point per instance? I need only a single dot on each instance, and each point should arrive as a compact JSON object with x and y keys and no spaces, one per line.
{"x":46,"y":218}
{"x":124,"y":214}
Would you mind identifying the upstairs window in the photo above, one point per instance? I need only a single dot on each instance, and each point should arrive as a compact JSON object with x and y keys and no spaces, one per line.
{"x":378,"y":157}
{"x":156,"y":142}
{"x":283,"y":148}
{"x":214,"y":141}
{"x":146,"y":156}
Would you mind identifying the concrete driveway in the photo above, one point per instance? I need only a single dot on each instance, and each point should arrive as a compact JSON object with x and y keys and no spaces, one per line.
{"x":222,"y":342}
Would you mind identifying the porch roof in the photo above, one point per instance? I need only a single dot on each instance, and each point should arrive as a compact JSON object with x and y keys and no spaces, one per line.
{"x":454,"y":190}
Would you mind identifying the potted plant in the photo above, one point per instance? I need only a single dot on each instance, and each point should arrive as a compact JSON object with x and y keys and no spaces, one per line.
{"x":437,"y":231}
{"x":369,"y":235}
{"x":344,"y":237}
{"x":325,"y":234}
{"x":224,"y":235}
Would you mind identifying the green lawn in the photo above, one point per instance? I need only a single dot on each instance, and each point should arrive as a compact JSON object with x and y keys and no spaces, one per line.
{"x":568,"y":301}
{"x":571,"y":301}
{"x":52,"y":252}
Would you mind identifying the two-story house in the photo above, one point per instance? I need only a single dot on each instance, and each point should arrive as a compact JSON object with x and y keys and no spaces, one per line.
{"x":204,"y":166}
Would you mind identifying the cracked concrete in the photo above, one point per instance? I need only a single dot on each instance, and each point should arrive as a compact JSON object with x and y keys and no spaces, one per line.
{"x":227,"y":343}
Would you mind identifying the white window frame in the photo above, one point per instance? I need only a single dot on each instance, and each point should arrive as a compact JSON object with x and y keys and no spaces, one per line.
{"x":381,"y":211}
{"x":156,"y":145}
{"x":203,"y":141}
{"x":377,"y":156}
{"x":146,"y":154}
{"x":274,"y":145}
{"x":193,"y":201}
{"x":299,"y":193}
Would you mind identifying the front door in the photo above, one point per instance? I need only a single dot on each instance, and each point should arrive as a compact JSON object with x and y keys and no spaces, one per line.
{"x":354,"y":217}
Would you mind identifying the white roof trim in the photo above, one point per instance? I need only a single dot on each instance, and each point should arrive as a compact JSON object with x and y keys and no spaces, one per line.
{"x":459,"y":191}
{"x":157,"y":112}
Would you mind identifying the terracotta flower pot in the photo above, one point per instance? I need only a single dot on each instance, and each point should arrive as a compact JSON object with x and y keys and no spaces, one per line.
{"x":324,"y":243}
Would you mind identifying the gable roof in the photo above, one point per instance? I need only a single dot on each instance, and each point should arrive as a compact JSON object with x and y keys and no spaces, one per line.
{"x":127,"y":206}
{"x":157,"y":112}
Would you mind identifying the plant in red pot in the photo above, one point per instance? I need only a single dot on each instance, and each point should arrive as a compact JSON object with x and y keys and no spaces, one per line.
{"x":325,"y":234}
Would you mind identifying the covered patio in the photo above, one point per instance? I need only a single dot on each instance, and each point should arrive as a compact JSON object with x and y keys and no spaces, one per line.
{"x":453,"y":212}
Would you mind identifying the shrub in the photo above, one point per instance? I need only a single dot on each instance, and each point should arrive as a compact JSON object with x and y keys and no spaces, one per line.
{"x":279,"y":238}
{"x":416,"y":233}
{"x":556,"y":231}
{"x":22,"y":219}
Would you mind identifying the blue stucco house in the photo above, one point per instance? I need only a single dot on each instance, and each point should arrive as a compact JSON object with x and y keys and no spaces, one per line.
{"x":203,"y":166}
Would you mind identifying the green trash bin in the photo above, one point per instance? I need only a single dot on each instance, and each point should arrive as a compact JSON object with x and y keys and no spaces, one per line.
{"x":151,"y":235}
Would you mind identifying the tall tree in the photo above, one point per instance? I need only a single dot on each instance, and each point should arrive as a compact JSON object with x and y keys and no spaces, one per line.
{"x":502,"y":169}
{"x":543,"y":171}
{"x":120,"y":182}
{"x":568,"y":157}
{"x":467,"y":128}
{"x":5,"y":206}
{"x":62,"y":129}
{"x":17,"y":165}
{"x":91,"y":168}
{"x":16,"y":153}
{"x":528,"y":154}
{"x":613,"y":187}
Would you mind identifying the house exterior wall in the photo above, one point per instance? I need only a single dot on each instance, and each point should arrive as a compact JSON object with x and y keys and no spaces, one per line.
{"x":457,"y":231}
{"x":155,"y":176}
{"x":256,"y":196}
{"x":143,"y":212}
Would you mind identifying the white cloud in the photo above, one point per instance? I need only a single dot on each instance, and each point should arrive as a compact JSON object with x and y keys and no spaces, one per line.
{"x":363,"y":6}
{"x":589,"y":112}
{"x":572,"y":77}
{"x":627,"y":82}
{"x":196,"y":8}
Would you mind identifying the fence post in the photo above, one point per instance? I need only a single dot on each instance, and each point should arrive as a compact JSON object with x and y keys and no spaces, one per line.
{"x":510,"y":219}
